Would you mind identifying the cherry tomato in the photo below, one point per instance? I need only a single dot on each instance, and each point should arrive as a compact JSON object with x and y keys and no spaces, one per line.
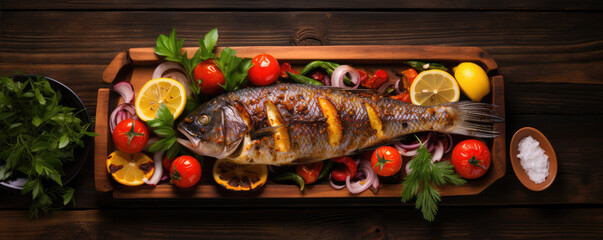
{"x":286,"y":67}
{"x":130,"y":136}
{"x":185,"y":171}
{"x":309,"y":172}
{"x":344,"y":167}
{"x":211,"y":77}
{"x":265,"y":70}
{"x":386,"y":161}
{"x":471,"y":158}
{"x":167,"y":163}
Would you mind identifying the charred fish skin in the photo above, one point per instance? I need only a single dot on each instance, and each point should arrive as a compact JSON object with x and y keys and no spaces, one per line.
{"x":294,"y":123}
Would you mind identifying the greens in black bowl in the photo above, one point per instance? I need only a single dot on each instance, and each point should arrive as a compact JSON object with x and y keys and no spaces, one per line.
{"x":45,"y":139}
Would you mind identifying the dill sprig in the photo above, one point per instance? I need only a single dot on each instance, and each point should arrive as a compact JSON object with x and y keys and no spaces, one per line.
{"x":424,"y":176}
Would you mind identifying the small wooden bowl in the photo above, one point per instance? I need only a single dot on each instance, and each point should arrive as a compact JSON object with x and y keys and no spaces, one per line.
{"x":515,"y":161}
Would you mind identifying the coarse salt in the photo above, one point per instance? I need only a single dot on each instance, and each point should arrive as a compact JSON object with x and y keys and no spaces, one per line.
{"x":533,"y":159}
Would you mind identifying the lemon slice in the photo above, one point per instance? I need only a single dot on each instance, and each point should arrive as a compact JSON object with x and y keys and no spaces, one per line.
{"x":130,"y":168}
{"x":472,"y":80}
{"x":239,"y":177}
{"x":433,"y":87}
{"x":160,"y":90}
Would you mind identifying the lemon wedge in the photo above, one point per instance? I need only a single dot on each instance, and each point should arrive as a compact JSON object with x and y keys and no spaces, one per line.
{"x":472,"y":80}
{"x":434,"y":87}
{"x":160,"y":90}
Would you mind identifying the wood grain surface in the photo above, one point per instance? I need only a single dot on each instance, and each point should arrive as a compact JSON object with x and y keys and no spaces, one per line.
{"x":550,"y":54}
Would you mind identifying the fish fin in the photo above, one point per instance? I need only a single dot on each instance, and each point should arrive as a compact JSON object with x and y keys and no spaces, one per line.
{"x":267,"y":131}
{"x":475,"y":119}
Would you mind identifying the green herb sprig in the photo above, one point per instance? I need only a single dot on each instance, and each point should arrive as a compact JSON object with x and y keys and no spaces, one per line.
{"x":163,"y":126}
{"x":38,"y":137}
{"x":421,"y":181}
{"x":234,"y":68}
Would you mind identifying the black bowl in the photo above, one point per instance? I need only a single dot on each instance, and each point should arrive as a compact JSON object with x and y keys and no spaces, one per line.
{"x":70,"y":99}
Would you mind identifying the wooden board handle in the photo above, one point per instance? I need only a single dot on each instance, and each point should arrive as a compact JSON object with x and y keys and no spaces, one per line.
{"x":117,"y":64}
{"x":101,"y":142}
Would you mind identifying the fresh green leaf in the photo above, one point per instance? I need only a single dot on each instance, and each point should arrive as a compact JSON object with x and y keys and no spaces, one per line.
{"x":420,"y":182}
{"x":163,"y":144}
{"x":163,"y":131}
{"x":209,"y":42}
{"x":67,"y":195}
{"x":64,"y":141}
{"x":14,"y":125}
{"x":169,"y":47}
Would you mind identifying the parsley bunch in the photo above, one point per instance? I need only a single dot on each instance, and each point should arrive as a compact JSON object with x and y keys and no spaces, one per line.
{"x":420,"y":182}
{"x":38,"y":137}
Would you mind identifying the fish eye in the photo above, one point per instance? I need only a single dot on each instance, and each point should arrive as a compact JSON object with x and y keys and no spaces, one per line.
{"x":204,"y":119}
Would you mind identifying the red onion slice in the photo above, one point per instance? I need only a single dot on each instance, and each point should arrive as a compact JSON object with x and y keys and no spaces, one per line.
{"x":383,"y":88}
{"x":174,"y":71}
{"x":334,"y":185}
{"x":449,"y":136}
{"x":363,"y":184}
{"x":125,"y":90}
{"x":157,"y":158}
{"x":340,"y":72}
{"x":327,"y":80}
{"x":405,"y":152}
{"x":397,"y":86}
{"x":375,"y":186}
{"x":162,"y":68}
{"x":438,"y":153}
{"x":122,"y":112}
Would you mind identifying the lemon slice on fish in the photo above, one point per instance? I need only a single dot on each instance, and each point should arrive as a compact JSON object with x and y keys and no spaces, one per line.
{"x":434,"y":87}
{"x":160,"y":90}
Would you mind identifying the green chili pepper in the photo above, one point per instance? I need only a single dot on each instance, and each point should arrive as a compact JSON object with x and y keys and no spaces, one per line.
{"x":303,"y":79}
{"x":312,"y":65}
{"x":326,"y":170}
{"x":422,"y":66}
{"x":293,"y":177}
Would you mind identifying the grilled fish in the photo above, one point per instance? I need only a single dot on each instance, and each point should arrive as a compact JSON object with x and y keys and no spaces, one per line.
{"x":295,"y":123}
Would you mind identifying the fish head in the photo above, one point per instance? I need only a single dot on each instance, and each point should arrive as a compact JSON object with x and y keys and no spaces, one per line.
{"x":213,"y":129}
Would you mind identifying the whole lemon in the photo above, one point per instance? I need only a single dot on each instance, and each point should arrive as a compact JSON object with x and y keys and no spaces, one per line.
{"x":472,"y":80}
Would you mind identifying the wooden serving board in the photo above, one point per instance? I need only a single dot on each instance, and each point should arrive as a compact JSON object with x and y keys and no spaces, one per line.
{"x":137,"y":64}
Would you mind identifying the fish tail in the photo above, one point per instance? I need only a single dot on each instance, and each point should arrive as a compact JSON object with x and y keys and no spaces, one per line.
{"x":475,"y":119}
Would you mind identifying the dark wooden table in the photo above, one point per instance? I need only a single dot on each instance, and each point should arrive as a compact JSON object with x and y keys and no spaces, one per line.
{"x":549,"y":52}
